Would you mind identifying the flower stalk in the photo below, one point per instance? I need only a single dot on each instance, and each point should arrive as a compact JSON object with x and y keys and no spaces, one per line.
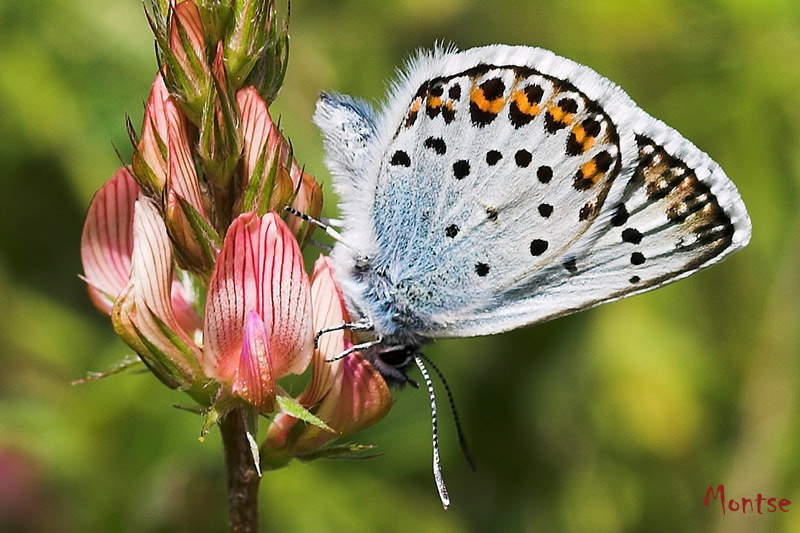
{"x":242,"y":475}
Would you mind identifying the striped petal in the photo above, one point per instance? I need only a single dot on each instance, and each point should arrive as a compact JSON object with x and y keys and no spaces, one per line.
{"x":350,"y":393}
{"x":255,"y":381}
{"x":107,"y":239}
{"x":260,"y":269}
{"x":265,"y":155}
{"x":182,"y":175}
{"x":143,"y":315}
{"x":149,"y":160}
{"x":185,"y":212}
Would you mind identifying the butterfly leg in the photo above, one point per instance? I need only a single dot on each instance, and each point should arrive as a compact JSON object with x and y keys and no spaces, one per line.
{"x":349,"y":326}
{"x":355,"y":348}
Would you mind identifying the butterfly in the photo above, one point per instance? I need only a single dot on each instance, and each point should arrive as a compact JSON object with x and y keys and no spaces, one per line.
{"x":503,"y":186}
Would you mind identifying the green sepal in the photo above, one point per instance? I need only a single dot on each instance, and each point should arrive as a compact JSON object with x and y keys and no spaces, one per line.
{"x":270,"y":70}
{"x":220,"y":146}
{"x":129,"y":363}
{"x":251,"y":422}
{"x":216,"y":17}
{"x":342,"y":451}
{"x":246,"y":39}
{"x":258,"y":193}
{"x":144,"y":175}
{"x":206,"y":236}
{"x":291,"y":407}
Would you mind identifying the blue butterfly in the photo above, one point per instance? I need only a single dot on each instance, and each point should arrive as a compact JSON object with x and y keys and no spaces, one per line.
{"x":504,"y":186}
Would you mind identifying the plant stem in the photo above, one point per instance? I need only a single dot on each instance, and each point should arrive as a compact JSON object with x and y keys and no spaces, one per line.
{"x":243,"y":478}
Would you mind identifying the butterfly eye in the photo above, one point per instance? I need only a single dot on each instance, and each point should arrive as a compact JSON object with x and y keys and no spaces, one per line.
{"x":397,"y":356}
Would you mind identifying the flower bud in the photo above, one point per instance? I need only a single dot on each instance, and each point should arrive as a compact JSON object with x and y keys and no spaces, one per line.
{"x":196,"y":243}
{"x":219,"y":146}
{"x":257,"y":47}
{"x":267,"y":156}
{"x":149,"y":162}
{"x":183,"y":49}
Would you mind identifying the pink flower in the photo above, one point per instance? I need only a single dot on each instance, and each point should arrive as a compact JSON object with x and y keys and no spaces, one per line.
{"x":107,"y":247}
{"x":257,"y":321}
{"x":258,"y":310}
{"x":348,"y":393}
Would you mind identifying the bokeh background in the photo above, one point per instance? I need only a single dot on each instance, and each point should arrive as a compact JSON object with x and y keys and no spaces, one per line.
{"x":614,"y":419}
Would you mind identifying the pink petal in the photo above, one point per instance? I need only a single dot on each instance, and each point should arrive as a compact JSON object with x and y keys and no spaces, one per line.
{"x":358,"y":398}
{"x":350,"y":393}
{"x":107,"y":239}
{"x":329,"y":310}
{"x":260,"y":268}
{"x":254,"y":381}
{"x":145,"y":308}
{"x":354,"y":395}
{"x":154,"y":131}
{"x":258,"y":130}
{"x":182,"y":174}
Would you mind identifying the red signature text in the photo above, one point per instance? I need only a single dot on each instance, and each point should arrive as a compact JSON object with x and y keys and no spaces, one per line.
{"x":759,"y":504}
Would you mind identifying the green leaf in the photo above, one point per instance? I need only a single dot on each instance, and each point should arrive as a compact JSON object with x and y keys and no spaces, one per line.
{"x":292,"y":407}
{"x":343,"y":451}
{"x":251,"y":421}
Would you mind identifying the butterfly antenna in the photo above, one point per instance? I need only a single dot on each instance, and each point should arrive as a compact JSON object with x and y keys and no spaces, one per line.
{"x":324,"y":227}
{"x":462,"y":441}
{"x":437,"y":464}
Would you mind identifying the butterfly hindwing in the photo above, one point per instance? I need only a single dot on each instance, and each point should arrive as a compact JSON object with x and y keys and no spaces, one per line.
{"x":506,"y":185}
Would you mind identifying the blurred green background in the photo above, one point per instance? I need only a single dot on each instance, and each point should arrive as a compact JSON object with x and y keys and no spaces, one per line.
{"x":615,"y":419}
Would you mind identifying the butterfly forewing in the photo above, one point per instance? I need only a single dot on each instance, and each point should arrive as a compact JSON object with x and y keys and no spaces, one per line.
{"x":512,"y":186}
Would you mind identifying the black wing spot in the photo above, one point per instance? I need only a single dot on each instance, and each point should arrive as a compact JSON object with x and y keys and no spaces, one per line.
{"x":451,"y":231}
{"x":523,"y":158}
{"x":492,"y":157}
{"x":455,"y":92}
{"x":637,"y":258}
{"x":493,"y":89}
{"x":545,"y":210}
{"x":400,"y":158}
{"x":620,"y":216}
{"x":544,"y":174}
{"x":538,"y":247}
{"x":632,"y":235}
{"x":461,"y":169}
{"x":436,"y":144}
{"x":481,"y":269}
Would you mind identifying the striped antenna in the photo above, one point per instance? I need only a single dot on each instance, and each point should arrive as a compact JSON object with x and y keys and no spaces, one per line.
{"x":462,"y":441}
{"x":437,"y":464}
{"x":324,"y":227}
